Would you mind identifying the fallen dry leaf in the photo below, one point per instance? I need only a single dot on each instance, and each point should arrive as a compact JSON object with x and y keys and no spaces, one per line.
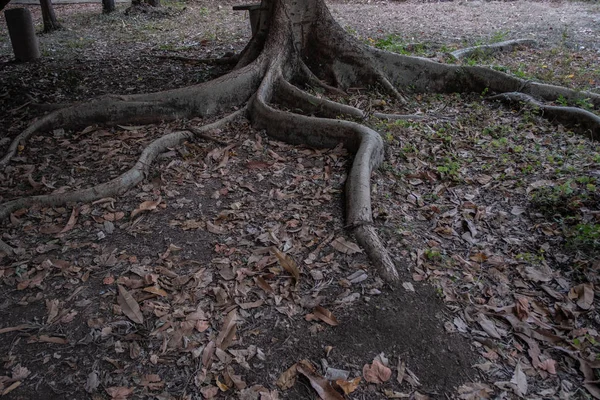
{"x":519,"y":380}
{"x":325,"y":315}
{"x":376,"y":373}
{"x":119,"y":392}
{"x":129,"y":306}
{"x":584,"y":294}
{"x":156,"y":290}
{"x":344,"y":246}
{"x":288,"y":263}
{"x":148,"y":205}
{"x":348,"y":386}
{"x":228,"y":330}
{"x":320,"y":384}
{"x":288,"y":378}
{"x":71,"y":222}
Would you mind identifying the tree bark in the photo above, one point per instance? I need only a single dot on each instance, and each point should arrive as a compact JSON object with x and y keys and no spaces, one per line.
{"x":49,"y":17}
{"x":22,"y":34}
{"x":108,"y":6}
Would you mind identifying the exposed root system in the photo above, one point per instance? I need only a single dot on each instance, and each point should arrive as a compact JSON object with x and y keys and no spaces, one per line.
{"x":315,"y":52}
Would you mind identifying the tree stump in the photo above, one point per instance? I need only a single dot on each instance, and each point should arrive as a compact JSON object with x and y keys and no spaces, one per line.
{"x":22,"y":34}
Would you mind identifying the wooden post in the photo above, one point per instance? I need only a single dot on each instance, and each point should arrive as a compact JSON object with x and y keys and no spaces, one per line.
{"x":108,"y":6}
{"x":22,"y":34}
{"x":254,"y":10}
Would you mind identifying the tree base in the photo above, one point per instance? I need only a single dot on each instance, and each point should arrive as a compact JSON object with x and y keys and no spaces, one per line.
{"x":320,"y":53}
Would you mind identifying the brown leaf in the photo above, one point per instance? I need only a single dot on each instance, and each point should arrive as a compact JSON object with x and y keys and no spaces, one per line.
{"x":344,"y":246}
{"x":156,"y":290}
{"x":14,"y":328}
{"x":52,"y":339}
{"x":53,"y":307}
{"x":72,"y":221}
{"x":288,"y":378}
{"x":348,"y":386}
{"x":9,"y":389}
{"x":129,"y":306}
{"x":216,"y":229}
{"x":228,"y":330}
{"x":584,"y":294}
{"x":401,"y":370}
{"x":376,"y":373}
{"x":474,"y":391}
{"x":146,"y":206}
{"x":287,"y":263}
{"x":257,"y":165}
{"x":519,"y":380}
{"x":208,"y":353}
{"x":209,"y":392}
{"x":320,"y":384}
{"x":264,"y":285}
{"x":325,"y":315}
{"x":119,"y":392}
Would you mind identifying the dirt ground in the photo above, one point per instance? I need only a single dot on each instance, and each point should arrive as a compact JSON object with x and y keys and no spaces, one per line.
{"x":230,"y":263}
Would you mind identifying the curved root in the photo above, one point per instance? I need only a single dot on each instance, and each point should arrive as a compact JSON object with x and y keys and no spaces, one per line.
{"x":320,"y":132}
{"x":203,"y":100}
{"x":586,"y":122}
{"x":123,"y":182}
{"x":489,"y":49}
{"x":290,"y":96}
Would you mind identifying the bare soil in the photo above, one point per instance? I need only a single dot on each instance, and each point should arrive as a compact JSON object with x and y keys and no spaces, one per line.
{"x":456,"y":202}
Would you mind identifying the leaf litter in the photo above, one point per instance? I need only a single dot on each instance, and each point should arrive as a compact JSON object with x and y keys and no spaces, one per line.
{"x":184,"y":282}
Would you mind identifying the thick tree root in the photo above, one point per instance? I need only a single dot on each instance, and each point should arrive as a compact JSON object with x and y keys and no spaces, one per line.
{"x":290,"y":96}
{"x":320,"y":132}
{"x":116,"y":186}
{"x":424,"y":75}
{"x":205,"y":99}
{"x":489,"y":49}
{"x":581,"y":120}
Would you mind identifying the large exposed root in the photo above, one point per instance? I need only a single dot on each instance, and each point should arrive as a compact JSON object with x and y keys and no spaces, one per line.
{"x":489,"y":49}
{"x":205,"y":99}
{"x":290,"y":96}
{"x":424,"y":75}
{"x":116,"y":186}
{"x":320,"y":132}
{"x":581,"y":120}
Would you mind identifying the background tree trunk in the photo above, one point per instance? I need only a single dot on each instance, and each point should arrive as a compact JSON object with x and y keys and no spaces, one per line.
{"x":108,"y":6}
{"x":50,"y":21}
{"x":22,"y":34}
{"x":3,"y":3}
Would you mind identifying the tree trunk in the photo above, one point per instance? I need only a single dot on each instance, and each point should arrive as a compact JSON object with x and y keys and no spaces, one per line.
{"x":22,"y":34}
{"x":3,"y":3}
{"x":50,"y":21}
{"x":108,"y":6}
